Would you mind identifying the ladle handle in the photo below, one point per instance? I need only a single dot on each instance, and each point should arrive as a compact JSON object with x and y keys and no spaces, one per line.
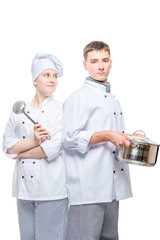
{"x":49,"y":137}
{"x":29,"y":118}
{"x":34,"y":123}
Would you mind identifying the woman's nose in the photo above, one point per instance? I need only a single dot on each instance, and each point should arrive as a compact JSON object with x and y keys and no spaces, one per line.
{"x":51,"y":79}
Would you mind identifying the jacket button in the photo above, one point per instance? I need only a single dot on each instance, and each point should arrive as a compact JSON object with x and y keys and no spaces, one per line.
{"x":105,"y":96}
{"x":24,"y":137}
{"x":22,"y":176}
{"x":23,"y":162}
{"x":23,"y":122}
{"x":114,"y":113}
{"x":114,"y":152}
{"x":121,"y":169}
{"x":42,"y":111}
{"x":31,"y":176}
{"x":121,"y":113}
{"x":122,"y":131}
{"x":33,"y":162}
{"x":114,"y":171}
{"x":27,"y":111}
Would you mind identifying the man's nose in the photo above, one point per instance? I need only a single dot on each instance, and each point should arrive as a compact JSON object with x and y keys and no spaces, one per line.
{"x":100,"y":65}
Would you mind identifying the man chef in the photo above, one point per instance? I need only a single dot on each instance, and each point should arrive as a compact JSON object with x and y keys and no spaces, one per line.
{"x":93,"y":128}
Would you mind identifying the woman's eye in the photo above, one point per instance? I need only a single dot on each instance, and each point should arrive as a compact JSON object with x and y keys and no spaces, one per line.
{"x":55,"y":76}
{"x":46,"y":75}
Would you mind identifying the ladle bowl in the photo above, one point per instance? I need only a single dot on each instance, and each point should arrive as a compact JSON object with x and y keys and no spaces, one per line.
{"x":19,"y":107}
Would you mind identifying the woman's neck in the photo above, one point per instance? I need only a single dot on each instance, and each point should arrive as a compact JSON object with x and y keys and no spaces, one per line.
{"x":38,"y":100}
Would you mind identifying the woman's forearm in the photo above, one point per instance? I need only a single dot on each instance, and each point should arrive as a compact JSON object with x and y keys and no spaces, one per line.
{"x":36,"y":152}
{"x":22,"y":145}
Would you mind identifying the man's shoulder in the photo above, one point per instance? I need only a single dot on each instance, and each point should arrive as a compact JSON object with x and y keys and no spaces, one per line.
{"x":78,"y":93}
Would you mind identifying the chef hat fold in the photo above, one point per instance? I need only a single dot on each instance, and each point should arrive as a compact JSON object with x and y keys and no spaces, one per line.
{"x":43,"y":61}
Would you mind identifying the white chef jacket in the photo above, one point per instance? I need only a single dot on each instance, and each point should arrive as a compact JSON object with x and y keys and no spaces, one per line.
{"x":38,"y":179}
{"x":94,"y":174}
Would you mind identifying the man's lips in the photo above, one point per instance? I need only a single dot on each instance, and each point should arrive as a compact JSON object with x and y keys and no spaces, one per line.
{"x":51,"y":86}
{"x":101,"y":73}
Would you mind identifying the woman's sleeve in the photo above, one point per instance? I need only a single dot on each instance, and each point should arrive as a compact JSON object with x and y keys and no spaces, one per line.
{"x":76,"y":113}
{"x":10,"y":137}
{"x":52,"y":147}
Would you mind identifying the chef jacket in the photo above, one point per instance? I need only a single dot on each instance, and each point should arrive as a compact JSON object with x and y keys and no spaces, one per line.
{"x":38,"y":179}
{"x":94,"y":174}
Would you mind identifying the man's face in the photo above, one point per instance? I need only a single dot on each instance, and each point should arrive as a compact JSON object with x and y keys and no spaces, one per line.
{"x":98,"y":64}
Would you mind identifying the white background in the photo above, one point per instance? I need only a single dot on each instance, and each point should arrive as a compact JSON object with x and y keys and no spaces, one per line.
{"x":131,"y":28}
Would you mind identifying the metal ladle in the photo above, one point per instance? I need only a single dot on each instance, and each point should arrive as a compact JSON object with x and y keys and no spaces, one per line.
{"x":19,"y":107}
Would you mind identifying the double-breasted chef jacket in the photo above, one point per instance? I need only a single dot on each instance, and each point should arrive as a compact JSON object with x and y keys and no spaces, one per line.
{"x":94,"y":175}
{"x":38,"y":179}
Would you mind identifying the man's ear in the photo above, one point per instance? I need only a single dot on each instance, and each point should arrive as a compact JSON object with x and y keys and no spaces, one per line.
{"x":85,"y":65}
{"x":110,"y":63}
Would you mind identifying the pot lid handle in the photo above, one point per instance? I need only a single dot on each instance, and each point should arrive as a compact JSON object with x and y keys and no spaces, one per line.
{"x":139,"y":131}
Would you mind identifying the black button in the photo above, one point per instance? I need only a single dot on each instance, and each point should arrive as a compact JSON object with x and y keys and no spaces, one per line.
{"x":27,"y":111}
{"x":42,"y":111}
{"x":105,"y":95}
{"x":22,"y":176}
{"x":23,"y":162}
{"x":122,"y":131}
{"x":114,"y":152}
{"x":33,"y":162}
{"x":121,"y":113}
{"x":23,"y":122}
{"x":114,"y":171}
{"x":121,"y":169}
{"x":31,"y":176}
{"x":114,"y":113}
{"x":24,"y":137}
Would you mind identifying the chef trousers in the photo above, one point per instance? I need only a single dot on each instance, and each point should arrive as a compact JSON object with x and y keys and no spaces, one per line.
{"x":42,"y":220}
{"x":93,"y":221}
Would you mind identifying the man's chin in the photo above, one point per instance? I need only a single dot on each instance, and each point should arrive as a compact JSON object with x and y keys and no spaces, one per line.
{"x":104,"y":80}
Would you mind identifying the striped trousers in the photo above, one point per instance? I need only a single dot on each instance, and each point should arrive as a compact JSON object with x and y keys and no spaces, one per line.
{"x":42,"y":220}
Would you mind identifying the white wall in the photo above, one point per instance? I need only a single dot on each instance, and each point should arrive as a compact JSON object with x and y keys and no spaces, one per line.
{"x":131,"y":28}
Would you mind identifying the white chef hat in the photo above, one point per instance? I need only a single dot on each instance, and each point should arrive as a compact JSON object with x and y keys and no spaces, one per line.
{"x":43,"y":61}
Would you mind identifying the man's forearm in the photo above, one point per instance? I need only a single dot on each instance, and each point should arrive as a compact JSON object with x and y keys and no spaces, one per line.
{"x":98,"y":137}
{"x":115,"y":137}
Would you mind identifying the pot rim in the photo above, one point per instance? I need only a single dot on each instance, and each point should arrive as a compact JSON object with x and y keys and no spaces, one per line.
{"x":144,"y":143}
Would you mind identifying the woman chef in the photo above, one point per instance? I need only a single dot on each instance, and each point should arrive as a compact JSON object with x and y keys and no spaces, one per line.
{"x":39,"y":175}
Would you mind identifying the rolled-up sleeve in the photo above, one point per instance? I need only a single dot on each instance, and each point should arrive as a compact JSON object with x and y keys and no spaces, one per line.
{"x":52,"y":147}
{"x":10,"y":137}
{"x":75,"y":116}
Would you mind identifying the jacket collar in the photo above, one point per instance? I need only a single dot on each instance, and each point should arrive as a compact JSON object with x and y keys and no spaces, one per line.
{"x":98,"y":84}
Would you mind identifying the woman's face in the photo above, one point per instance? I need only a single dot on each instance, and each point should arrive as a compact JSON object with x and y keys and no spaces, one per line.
{"x":46,"y":82}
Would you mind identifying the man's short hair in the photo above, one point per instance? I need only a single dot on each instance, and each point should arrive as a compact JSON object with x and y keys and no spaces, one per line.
{"x":95,"y":45}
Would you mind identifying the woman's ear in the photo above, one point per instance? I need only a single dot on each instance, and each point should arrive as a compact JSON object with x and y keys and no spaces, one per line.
{"x":35,"y":83}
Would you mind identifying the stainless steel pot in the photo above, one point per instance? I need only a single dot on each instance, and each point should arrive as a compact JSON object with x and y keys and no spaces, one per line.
{"x":141,"y":151}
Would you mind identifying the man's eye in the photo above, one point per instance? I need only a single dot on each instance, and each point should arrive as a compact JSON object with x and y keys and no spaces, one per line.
{"x":106,"y":60}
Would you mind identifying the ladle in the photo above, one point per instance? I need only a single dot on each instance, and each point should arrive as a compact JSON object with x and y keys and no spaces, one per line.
{"x":19,"y":107}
